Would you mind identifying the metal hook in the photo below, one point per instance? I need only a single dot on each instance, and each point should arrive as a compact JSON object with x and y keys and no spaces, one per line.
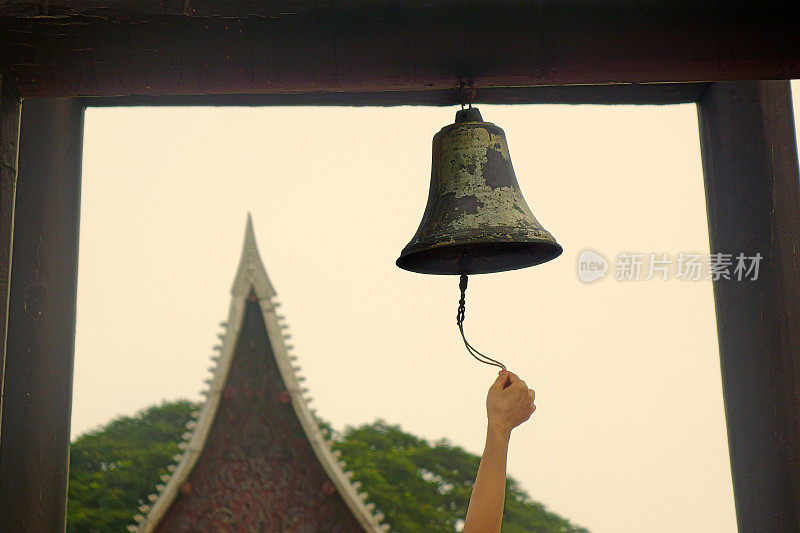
{"x":466,"y":92}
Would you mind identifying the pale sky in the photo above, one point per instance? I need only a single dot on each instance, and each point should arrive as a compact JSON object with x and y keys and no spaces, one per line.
{"x":629,"y":434}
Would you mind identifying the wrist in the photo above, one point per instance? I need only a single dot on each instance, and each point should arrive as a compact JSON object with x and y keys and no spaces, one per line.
{"x":498,"y":432}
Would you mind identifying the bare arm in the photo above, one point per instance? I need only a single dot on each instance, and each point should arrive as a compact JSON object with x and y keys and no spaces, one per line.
{"x":506,"y":408}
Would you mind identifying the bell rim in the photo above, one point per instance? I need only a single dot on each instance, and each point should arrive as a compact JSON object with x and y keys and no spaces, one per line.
{"x":523,"y":255}
{"x":497,"y":234}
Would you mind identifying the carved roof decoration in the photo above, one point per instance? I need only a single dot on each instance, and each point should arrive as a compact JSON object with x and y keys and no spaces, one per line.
{"x":248,"y":461}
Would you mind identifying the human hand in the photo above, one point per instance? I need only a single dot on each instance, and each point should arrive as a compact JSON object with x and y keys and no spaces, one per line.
{"x":508,"y":407}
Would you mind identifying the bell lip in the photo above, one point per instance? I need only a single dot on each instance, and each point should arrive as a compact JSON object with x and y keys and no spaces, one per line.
{"x":477,"y":237}
{"x":526,"y":254}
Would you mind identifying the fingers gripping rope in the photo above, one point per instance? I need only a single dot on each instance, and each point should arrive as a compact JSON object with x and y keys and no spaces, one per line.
{"x":460,"y":321}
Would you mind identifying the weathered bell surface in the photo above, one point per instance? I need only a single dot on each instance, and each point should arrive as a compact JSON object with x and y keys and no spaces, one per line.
{"x":476,"y":220}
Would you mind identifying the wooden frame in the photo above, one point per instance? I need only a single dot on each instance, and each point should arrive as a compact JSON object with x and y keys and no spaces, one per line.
{"x":162,"y":47}
{"x":59,"y":56}
{"x":37,"y":396}
{"x":750,"y":164}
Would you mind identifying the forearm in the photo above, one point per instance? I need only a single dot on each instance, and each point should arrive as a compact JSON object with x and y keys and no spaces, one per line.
{"x":485,"y":514}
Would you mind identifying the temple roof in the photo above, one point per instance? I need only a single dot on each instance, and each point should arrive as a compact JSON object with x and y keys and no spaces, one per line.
{"x":255,"y":458}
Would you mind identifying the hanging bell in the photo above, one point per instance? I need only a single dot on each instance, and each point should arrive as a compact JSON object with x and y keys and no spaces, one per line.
{"x":476,"y":220}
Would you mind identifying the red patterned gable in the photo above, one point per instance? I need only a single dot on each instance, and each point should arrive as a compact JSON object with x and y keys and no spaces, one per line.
{"x":257,"y":471}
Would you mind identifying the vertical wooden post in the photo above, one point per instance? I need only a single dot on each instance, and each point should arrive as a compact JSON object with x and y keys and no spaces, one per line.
{"x":751,"y":175}
{"x":9,"y":141}
{"x":34,"y":456}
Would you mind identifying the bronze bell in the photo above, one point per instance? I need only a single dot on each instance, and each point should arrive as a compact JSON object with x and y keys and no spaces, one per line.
{"x":476,"y":220}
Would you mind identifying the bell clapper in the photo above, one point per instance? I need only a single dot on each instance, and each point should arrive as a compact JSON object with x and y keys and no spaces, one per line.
{"x":462,"y":304}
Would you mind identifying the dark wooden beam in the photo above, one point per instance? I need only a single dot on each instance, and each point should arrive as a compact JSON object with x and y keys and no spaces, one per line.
{"x":750,"y":164}
{"x":34,"y":456}
{"x":629,"y":93}
{"x":9,"y":141}
{"x":160,"y":48}
{"x":212,"y":8}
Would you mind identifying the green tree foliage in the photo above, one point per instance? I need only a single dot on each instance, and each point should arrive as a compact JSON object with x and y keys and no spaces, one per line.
{"x":114,"y":468}
{"x":421,"y":487}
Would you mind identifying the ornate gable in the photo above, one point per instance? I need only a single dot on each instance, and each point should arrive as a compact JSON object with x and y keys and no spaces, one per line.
{"x":256,"y":460}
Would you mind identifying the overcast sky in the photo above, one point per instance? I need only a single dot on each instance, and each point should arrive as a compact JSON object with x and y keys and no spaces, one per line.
{"x":629,"y":434}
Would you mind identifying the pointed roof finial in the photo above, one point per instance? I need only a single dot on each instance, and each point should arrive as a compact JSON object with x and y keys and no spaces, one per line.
{"x":251,"y":272}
